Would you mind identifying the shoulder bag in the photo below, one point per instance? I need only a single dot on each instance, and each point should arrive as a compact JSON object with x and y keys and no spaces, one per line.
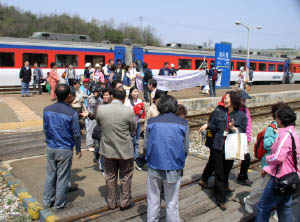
{"x":288,"y":184}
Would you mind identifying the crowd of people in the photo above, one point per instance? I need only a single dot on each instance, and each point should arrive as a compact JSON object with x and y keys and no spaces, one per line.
{"x":105,"y":106}
{"x":281,"y":146}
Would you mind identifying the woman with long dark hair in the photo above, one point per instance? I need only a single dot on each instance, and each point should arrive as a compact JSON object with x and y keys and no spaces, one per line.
{"x":133,"y":101}
{"x":225,"y":119}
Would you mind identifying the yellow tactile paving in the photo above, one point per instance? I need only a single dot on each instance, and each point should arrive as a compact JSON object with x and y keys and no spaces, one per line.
{"x":23,"y":112}
{"x":21,"y":125}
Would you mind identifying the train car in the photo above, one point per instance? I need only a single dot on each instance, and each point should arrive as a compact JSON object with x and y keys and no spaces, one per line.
{"x":14,"y":51}
{"x":294,"y":68}
{"x":265,"y":68}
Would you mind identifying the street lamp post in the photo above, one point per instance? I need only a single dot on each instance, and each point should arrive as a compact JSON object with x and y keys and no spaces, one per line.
{"x":248,"y":46}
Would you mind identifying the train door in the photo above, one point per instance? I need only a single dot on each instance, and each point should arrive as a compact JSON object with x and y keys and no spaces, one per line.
{"x":120,"y":53}
{"x":138,"y":56}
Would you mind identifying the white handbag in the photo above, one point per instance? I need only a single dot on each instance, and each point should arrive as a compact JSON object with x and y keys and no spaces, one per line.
{"x":236,"y":146}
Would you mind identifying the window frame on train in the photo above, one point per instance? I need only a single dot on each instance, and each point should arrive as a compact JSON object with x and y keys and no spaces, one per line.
{"x":66,"y":64}
{"x":262,"y":67}
{"x":280,"y":69}
{"x":198,"y":63}
{"x":40,"y":58}
{"x":271,"y":67}
{"x":7,"y":54}
{"x":232,"y":68}
{"x":185,"y":63}
{"x":240,"y":64}
{"x":93,"y":58}
{"x":253,"y":65}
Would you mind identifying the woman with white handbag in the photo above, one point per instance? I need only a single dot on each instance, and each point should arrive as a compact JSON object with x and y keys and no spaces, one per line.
{"x":225,"y":119}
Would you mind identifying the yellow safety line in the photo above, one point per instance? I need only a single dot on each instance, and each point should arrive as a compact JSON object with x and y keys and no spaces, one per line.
{"x":19,"y":125}
{"x":23,"y":112}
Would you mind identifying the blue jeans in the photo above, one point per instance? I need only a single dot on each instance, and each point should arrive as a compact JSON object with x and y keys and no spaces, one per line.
{"x":269,"y":200}
{"x":25,"y":88}
{"x":136,"y":140}
{"x":59,"y":164}
{"x":212,"y":88}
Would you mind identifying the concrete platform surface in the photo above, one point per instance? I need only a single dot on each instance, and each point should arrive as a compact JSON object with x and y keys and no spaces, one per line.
{"x":85,"y":174}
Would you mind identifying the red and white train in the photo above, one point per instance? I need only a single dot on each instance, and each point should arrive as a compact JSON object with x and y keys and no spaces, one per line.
{"x":14,"y":51}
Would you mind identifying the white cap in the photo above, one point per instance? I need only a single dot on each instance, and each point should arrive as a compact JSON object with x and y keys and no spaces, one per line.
{"x":87,"y":64}
{"x":97,"y":65}
{"x":172,"y":65}
{"x":242,"y":68}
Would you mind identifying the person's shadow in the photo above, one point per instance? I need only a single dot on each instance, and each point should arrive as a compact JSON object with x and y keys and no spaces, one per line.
{"x":71,"y":196}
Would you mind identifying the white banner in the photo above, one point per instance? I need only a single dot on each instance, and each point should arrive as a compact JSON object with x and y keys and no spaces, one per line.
{"x":169,"y":83}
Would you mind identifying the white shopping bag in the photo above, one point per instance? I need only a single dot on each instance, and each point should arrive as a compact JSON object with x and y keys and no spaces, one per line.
{"x":236,"y":146}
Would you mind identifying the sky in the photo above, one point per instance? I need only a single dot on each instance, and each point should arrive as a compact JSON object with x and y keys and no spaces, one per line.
{"x":191,"y":21}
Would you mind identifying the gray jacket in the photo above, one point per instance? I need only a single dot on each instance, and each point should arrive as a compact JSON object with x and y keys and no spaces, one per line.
{"x":118,"y":124}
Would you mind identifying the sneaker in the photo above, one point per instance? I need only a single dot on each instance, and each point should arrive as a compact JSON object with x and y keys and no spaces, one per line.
{"x":138,"y":168}
{"x":248,"y":207}
{"x":91,"y":149}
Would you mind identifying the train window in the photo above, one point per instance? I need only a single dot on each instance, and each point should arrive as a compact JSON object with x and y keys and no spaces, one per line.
{"x":65,"y":60}
{"x":232,"y":65}
{"x":253,"y":66}
{"x":7,"y":59}
{"x":240,"y":64}
{"x":93,"y":59}
{"x":185,"y":63}
{"x":271,"y":67}
{"x":262,"y":67}
{"x":199,"y":62}
{"x":41,"y":59}
{"x":294,"y":68}
{"x":279,"y":68}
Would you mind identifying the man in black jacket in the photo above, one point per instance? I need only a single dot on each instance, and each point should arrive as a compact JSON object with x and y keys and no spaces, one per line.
{"x":25,"y":76}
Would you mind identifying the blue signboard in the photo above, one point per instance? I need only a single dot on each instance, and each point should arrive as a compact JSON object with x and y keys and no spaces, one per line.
{"x":223,"y":62}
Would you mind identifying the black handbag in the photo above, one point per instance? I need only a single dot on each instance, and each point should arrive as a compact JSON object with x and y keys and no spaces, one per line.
{"x":288,"y":184}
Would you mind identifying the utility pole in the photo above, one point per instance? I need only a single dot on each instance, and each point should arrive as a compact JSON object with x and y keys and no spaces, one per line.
{"x":141,"y":27}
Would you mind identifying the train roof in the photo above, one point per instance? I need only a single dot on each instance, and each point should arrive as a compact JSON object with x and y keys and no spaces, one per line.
{"x":31,"y":41}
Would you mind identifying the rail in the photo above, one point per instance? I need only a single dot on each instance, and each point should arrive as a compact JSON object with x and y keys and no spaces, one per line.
{"x":197,"y":120}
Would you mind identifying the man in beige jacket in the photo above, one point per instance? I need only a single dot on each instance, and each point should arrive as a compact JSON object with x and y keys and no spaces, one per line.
{"x":118,"y":126}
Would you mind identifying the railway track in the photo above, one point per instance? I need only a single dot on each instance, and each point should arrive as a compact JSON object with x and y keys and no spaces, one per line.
{"x":197,"y":120}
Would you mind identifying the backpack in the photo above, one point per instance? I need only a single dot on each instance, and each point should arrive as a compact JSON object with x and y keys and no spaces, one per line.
{"x":215,"y":74}
{"x":259,"y":149}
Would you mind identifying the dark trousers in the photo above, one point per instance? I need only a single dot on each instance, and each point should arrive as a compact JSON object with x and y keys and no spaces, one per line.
{"x":146,"y":93}
{"x":209,"y":167}
{"x":71,"y":82}
{"x":123,"y":168}
{"x":212,"y":88}
{"x":222,"y":169}
{"x":244,"y":167}
{"x":37,"y":83}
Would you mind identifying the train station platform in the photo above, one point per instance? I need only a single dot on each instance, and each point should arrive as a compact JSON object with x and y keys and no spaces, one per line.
{"x":91,"y":193}
{"x":25,"y":113}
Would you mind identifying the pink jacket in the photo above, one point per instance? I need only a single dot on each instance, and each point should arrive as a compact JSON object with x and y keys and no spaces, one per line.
{"x":281,"y":153}
{"x":249,"y":124}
